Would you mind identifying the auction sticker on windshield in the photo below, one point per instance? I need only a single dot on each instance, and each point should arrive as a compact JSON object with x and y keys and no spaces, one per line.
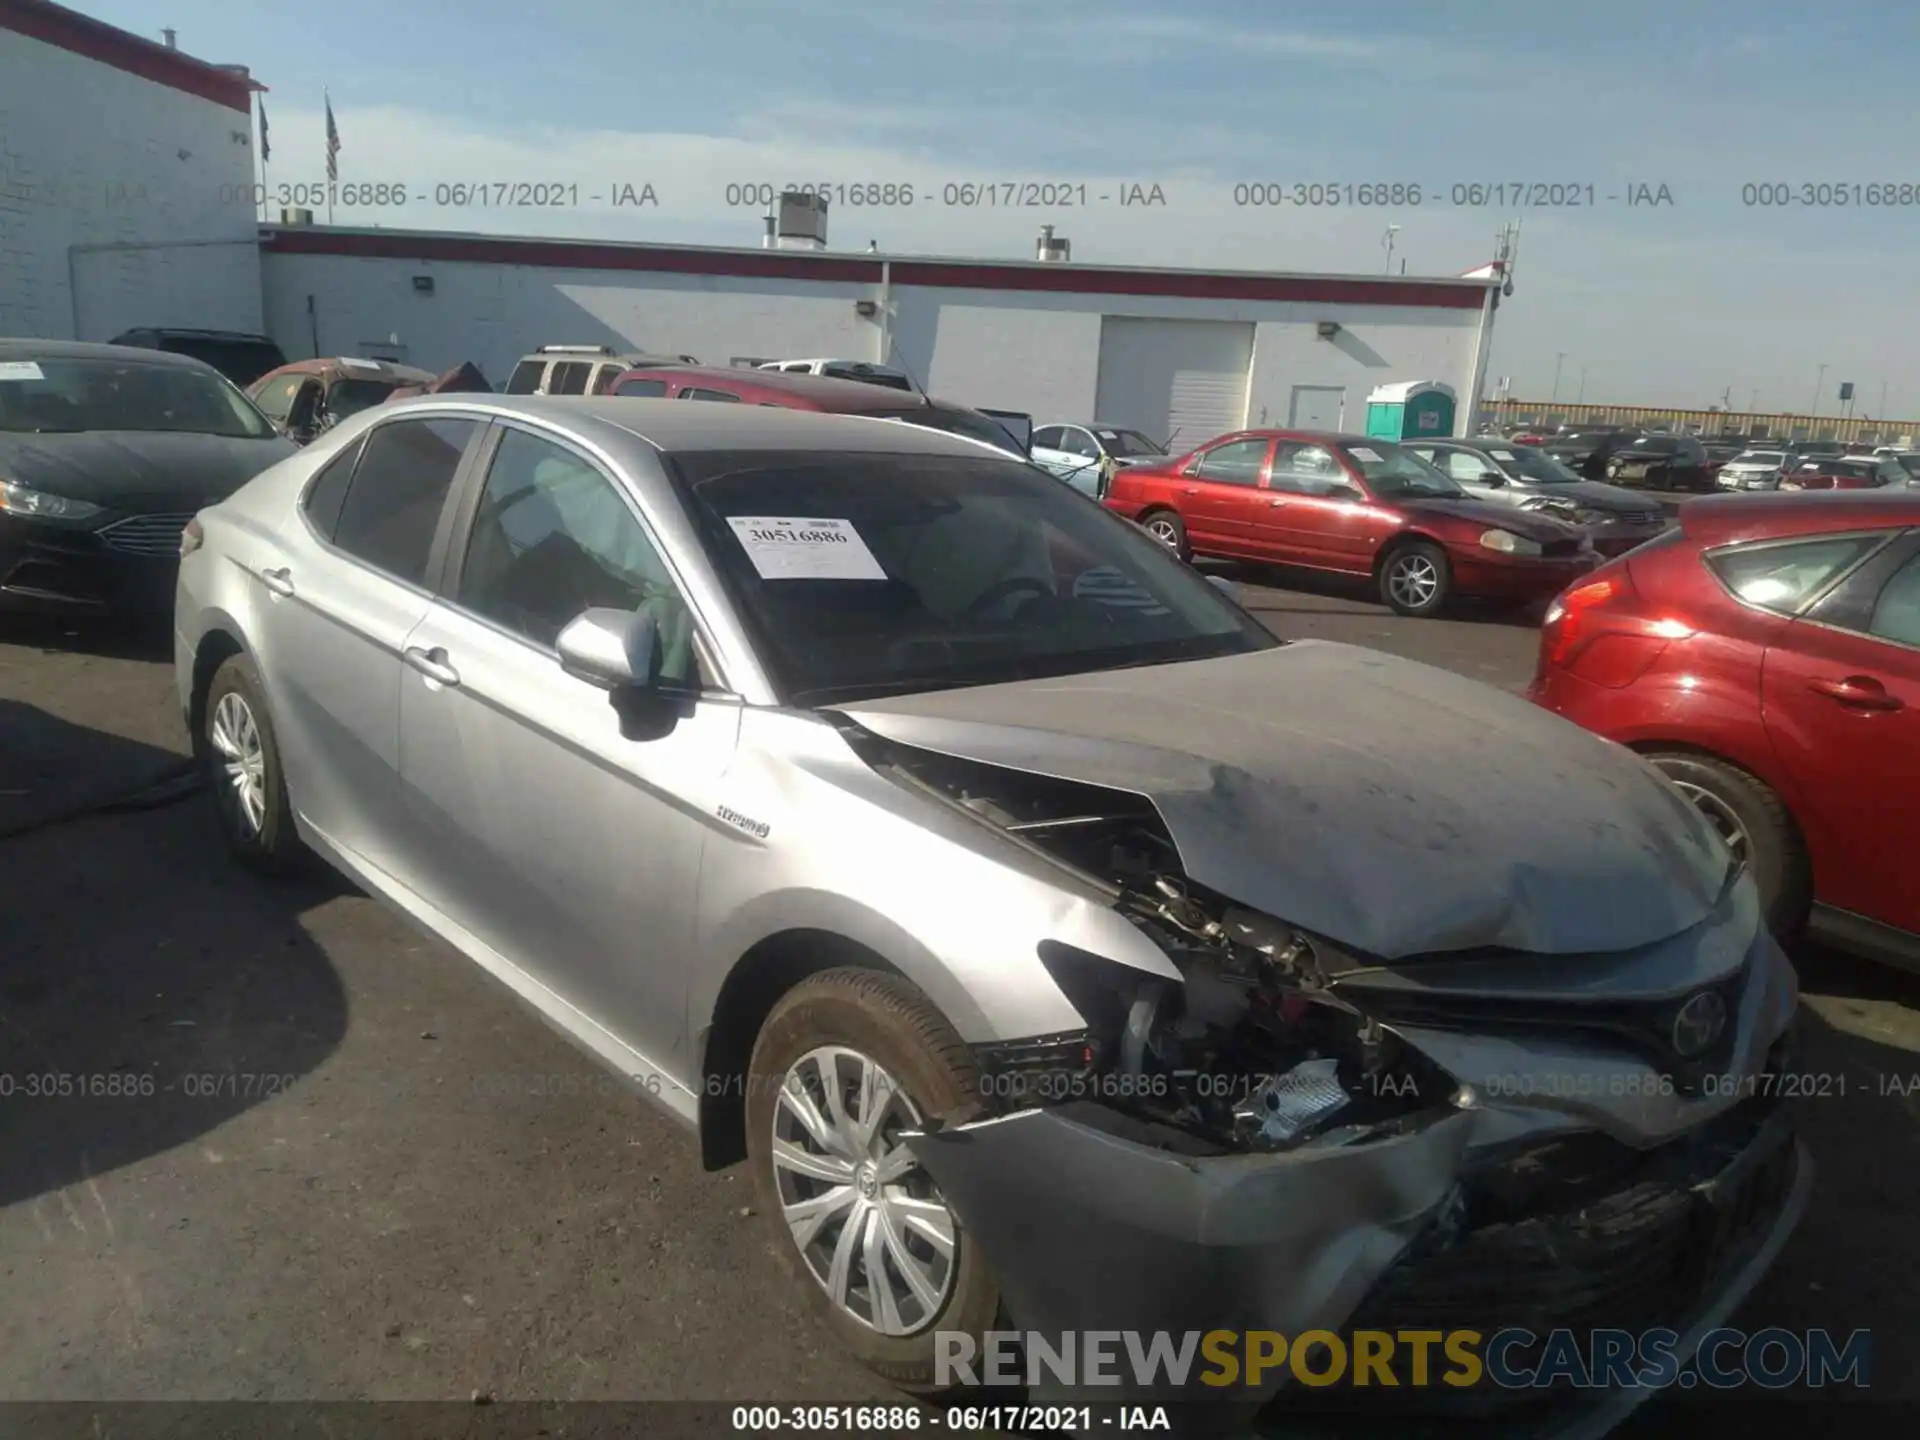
{"x":20,"y":370}
{"x":1361,"y":453}
{"x":786,"y":547}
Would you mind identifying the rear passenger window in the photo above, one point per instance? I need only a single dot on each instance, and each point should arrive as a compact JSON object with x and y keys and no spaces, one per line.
{"x":604,"y":381}
{"x":696,"y":393}
{"x":399,"y":488}
{"x":1786,"y":578}
{"x":644,"y":388}
{"x":329,"y":490}
{"x":569,"y":379}
{"x":526,"y":377}
{"x":1896,"y":615}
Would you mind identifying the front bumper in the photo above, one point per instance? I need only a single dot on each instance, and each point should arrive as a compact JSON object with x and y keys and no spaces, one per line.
{"x":1612,"y":540}
{"x":1487,"y":574}
{"x":1090,"y":1232}
{"x":65,"y":569}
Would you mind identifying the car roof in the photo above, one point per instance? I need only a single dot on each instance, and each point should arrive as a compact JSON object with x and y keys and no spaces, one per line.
{"x":818,"y":392}
{"x":1730,"y":519}
{"x":677,"y":426}
{"x":348,"y":365}
{"x":24,"y":349}
{"x":185,"y":333}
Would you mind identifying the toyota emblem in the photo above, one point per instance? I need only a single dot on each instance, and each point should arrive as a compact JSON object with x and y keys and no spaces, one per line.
{"x":1698,"y":1024}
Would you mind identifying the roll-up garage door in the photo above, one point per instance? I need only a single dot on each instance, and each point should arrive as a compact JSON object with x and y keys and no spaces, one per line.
{"x":1184,"y":379}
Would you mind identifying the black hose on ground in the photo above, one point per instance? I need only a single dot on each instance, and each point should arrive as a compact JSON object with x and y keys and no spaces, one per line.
{"x":173,"y":784}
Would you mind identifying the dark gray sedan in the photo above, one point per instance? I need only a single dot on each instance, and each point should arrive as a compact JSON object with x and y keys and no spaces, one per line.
{"x":106,"y":451}
{"x":1527,"y":477}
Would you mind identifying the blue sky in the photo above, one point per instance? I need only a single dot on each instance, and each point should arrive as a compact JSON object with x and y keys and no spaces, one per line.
{"x":1684,"y":302}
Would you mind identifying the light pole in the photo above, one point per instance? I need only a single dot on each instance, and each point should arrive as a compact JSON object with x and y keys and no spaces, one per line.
{"x":1818,"y":381}
{"x":1558,"y":360}
{"x":1880,"y":411}
{"x":1392,"y":230}
{"x":1583,"y":387}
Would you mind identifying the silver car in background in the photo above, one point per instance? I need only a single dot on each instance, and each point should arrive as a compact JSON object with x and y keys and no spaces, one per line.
{"x":1085,"y":456}
{"x":1049,"y":939}
{"x":1753,"y":470}
{"x":1528,"y":478}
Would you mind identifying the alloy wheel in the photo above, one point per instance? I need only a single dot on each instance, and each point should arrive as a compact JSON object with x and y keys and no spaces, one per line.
{"x":1162,"y":530}
{"x":866,"y":1218}
{"x":1719,"y":814}
{"x":1414,"y":580}
{"x":235,"y":737}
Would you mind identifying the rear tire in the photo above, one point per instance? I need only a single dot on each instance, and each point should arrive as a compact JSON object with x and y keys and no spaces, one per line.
{"x":1169,"y":529}
{"x":1417,"y":579}
{"x":241,"y":760}
{"x":833,"y":1023}
{"x":1756,"y":825}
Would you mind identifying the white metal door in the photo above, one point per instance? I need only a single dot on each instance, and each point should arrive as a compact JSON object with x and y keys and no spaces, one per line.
{"x":1184,"y":380}
{"x":1317,"y":407}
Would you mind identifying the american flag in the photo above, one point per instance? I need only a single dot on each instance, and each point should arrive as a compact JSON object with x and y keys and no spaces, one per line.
{"x":333,"y":144}
{"x":266,"y":150}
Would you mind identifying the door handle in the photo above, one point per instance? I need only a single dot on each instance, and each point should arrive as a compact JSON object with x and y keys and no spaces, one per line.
{"x":279,"y":581}
{"x":1191,"y":490}
{"x":1858,"y":692}
{"x":432,"y":664}
{"x":1276,"y":504}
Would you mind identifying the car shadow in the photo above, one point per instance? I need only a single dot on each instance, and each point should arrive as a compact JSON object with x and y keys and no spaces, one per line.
{"x":150,"y":990}
{"x":1357,"y":596}
{"x":110,"y":638}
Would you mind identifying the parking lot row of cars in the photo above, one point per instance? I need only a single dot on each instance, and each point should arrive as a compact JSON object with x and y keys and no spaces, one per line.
{"x":966,"y":826}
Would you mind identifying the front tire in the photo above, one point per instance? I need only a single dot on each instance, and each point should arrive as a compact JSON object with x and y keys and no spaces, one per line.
{"x":1169,"y":529}
{"x":1417,"y":579}
{"x":241,"y":759}
{"x":1757,"y":828}
{"x":847,"y":1059}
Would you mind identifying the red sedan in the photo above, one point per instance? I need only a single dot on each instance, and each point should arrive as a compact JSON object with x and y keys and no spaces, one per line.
{"x":1353,"y":506}
{"x":1765,"y":654}
{"x":1844,"y":472}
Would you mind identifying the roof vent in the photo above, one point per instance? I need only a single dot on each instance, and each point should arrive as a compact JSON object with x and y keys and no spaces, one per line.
{"x":801,"y":221}
{"x":1056,"y":249}
{"x":166,"y":37}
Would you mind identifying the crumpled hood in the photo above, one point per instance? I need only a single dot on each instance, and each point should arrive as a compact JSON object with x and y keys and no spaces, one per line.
{"x":1495,"y":516}
{"x":135,"y":468}
{"x":1391,"y":806}
{"x":1597,"y":495}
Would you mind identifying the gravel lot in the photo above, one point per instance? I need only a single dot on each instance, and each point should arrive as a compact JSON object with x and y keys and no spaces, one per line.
{"x":384,"y":1213}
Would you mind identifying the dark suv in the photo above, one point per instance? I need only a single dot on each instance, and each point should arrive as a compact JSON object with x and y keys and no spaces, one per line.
{"x":243,"y":358}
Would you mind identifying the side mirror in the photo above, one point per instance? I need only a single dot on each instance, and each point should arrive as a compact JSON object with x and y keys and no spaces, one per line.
{"x":1493,"y":478}
{"x":612,"y":649}
{"x":1225,"y":586}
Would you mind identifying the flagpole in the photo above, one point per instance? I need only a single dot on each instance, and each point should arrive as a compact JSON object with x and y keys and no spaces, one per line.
{"x":261,"y":105}
{"x":333,"y":165}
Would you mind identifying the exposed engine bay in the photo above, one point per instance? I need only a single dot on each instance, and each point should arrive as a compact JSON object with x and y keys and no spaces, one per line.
{"x":1253,"y":1052}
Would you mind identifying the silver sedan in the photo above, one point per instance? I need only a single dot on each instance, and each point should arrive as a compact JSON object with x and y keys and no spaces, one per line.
{"x":1048,"y":938}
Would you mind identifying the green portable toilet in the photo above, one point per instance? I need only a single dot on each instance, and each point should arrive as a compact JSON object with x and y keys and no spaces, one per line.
{"x":1411,"y":410}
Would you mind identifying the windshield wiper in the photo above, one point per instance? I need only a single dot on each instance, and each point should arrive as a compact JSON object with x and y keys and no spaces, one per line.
{"x":906,"y":685}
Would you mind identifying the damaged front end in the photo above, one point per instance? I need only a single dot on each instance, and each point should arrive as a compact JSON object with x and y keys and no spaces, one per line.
{"x":1296,"y":1137}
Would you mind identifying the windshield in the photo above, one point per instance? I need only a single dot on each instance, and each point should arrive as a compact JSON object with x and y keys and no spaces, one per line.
{"x":1759,"y":457}
{"x":1535,"y":465}
{"x":862,"y":575}
{"x":958,"y":422}
{"x":1393,"y":472}
{"x":350,"y":397}
{"x":1127,"y":444}
{"x":52,"y":396}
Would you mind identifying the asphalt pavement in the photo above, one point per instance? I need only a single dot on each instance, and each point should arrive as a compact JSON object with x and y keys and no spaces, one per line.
{"x":325,"y":1158}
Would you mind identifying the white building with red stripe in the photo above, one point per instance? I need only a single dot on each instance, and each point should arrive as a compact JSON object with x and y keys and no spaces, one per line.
{"x":1179,"y":352}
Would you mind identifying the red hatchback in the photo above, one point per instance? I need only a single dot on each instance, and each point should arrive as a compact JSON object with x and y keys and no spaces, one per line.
{"x":1765,"y":655}
{"x":1354,"y":506}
